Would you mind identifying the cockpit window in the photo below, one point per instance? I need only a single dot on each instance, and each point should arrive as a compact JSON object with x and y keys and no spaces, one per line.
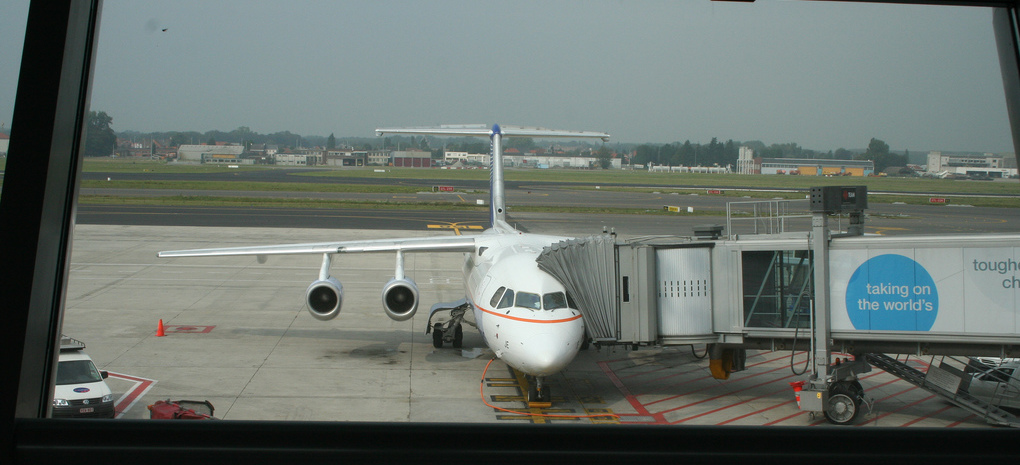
{"x":508,"y":299}
{"x":571,"y":303}
{"x":529,"y":300}
{"x":496,"y":296}
{"x":554,"y":300}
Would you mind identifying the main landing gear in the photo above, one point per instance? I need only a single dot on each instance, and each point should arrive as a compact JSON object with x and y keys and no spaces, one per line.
{"x":452,"y":330}
{"x":439,"y":336}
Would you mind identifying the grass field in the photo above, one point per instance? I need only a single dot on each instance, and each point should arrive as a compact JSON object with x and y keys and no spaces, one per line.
{"x":999,"y":193}
{"x":635,"y":177}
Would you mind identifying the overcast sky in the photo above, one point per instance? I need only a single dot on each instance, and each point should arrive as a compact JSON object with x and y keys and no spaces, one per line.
{"x":823,"y":75}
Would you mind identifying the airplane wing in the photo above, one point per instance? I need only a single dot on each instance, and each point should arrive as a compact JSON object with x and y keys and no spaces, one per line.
{"x":413,"y":244}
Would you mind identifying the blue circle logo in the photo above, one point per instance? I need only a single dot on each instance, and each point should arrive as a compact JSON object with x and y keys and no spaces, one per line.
{"x":81,"y":390}
{"x":892,"y":292}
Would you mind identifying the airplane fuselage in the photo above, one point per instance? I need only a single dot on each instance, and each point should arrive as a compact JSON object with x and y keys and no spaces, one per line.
{"x":524,"y":315}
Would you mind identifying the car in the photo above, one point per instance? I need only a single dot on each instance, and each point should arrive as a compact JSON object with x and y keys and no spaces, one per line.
{"x":81,"y":390}
{"x":996,"y":381}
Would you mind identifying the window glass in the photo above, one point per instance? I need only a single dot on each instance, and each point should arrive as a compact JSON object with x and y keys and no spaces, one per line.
{"x":529,"y":300}
{"x":554,"y":300}
{"x":211,"y":102}
{"x":496,"y":296}
{"x":13,"y":16}
{"x":508,"y":299}
{"x":77,"y":371}
{"x":777,"y":288}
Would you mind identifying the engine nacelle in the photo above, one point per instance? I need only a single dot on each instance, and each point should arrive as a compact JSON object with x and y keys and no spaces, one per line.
{"x":324,"y":298}
{"x":400,"y":299}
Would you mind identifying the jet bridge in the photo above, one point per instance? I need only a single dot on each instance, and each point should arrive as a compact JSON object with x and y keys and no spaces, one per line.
{"x":820,"y":291}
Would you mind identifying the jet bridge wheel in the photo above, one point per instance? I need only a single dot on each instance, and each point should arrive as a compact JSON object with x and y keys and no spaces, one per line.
{"x":437,"y":336}
{"x":845,"y":398}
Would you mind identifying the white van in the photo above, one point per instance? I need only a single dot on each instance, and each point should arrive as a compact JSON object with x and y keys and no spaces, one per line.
{"x":80,"y":390}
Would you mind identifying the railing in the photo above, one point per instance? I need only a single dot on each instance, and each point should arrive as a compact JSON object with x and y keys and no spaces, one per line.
{"x":772,"y":217}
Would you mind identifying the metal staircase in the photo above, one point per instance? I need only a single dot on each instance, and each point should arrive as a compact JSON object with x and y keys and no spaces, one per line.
{"x":943,"y":382}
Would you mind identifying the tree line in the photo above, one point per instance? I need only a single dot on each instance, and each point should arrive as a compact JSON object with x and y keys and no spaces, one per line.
{"x":101,"y":141}
{"x":717,"y":153}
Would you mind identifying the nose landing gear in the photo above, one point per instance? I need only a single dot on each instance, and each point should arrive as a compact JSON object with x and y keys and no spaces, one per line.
{"x":539,"y":395}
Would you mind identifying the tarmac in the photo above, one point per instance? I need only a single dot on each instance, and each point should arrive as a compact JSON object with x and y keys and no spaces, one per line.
{"x":237,"y":334}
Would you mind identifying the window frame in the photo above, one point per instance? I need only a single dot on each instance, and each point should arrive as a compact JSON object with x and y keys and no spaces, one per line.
{"x":36,"y":225}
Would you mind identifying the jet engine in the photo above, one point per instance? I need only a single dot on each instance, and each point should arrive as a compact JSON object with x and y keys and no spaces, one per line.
{"x":400,"y":298}
{"x":324,"y":298}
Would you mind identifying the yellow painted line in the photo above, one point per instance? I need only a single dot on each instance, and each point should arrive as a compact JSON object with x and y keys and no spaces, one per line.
{"x":505,"y":398}
{"x":461,"y":198}
{"x":454,"y":226}
{"x":881,"y":231}
{"x":522,"y":381}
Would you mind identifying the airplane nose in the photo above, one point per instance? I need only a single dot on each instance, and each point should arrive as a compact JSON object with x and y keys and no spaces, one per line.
{"x":548,"y":355}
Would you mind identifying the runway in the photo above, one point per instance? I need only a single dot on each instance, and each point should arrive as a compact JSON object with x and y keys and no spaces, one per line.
{"x":881,"y":218}
{"x":238,"y":336}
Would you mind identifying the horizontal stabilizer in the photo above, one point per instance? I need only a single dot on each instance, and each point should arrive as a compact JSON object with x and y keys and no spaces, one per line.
{"x":481,"y":130}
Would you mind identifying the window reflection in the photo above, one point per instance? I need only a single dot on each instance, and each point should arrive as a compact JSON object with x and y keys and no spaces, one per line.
{"x":13,"y":16}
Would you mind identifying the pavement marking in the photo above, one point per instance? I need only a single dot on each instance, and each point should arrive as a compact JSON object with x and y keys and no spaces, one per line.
{"x":189,"y":329}
{"x":128,"y":400}
{"x":456,"y":227}
{"x":546,"y":415}
{"x":681,"y":391}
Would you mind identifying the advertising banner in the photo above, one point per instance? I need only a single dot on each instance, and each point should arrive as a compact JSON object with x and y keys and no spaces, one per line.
{"x":950,"y":290}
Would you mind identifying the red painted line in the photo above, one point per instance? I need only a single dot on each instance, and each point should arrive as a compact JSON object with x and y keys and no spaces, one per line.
{"x":188,"y":329}
{"x":736,"y":404}
{"x":677,"y":385}
{"x":757,"y":412}
{"x":528,"y":320}
{"x":802,"y":412}
{"x":142,"y":385}
{"x":663,"y":378}
{"x":911,"y":388}
{"x":724,"y":395}
{"x":634,"y":375}
{"x":735,"y":379}
{"x":897,"y":410}
{"x":632,"y":399}
{"x":958,"y":423}
{"x":943,"y":409}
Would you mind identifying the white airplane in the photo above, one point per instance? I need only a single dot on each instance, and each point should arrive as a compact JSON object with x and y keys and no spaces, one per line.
{"x":523,"y":314}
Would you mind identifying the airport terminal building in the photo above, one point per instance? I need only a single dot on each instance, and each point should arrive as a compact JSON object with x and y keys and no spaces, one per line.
{"x":747,"y":163}
{"x":229,"y":154}
{"x":988,"y":165}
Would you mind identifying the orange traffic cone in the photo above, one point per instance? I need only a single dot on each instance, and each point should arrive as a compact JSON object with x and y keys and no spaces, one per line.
{"x":159,"y":329}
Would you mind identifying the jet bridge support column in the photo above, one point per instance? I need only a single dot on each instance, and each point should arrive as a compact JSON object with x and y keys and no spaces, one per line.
{"x":833,"y":388}
{"x":820,"y":345}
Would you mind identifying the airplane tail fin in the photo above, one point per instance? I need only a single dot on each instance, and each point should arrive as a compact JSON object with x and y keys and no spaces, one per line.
{"x":497,"y":197}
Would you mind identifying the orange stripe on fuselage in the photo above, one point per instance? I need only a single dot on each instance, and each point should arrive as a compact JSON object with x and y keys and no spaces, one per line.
{"x":527,"y":320}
